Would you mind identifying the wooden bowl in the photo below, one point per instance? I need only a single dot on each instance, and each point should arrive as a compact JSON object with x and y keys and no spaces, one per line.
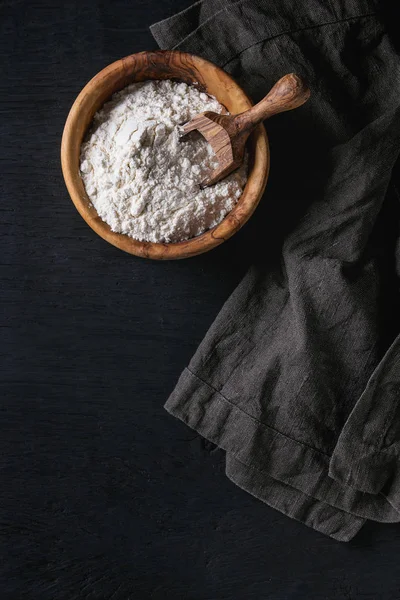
{"x":162,"y":65}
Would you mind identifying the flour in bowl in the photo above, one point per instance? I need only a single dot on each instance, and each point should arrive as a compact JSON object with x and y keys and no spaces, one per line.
{"x":141,"y":179}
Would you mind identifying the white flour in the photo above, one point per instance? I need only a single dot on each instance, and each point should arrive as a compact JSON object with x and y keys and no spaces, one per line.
{"x":141,"y":179}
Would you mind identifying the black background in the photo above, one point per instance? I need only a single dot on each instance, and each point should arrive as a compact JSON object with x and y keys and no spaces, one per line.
{"x":103,"y":495}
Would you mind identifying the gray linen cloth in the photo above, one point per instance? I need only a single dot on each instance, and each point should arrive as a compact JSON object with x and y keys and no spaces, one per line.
{"x":298,"y":379}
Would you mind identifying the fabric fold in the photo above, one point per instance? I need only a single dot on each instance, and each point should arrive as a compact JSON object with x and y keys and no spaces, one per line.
{"x":321,"y":516}
{"x":252,"y":22}
{"x":367,"y":455}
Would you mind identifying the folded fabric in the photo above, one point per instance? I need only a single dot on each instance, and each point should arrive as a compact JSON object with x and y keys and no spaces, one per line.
{"x":298,"y":378}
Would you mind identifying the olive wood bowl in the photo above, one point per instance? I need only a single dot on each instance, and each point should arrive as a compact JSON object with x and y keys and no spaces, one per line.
{"x":178,"y":66}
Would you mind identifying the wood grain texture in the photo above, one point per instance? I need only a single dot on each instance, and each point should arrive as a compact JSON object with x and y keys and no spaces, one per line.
{"x":162,"y":65}
{"x":103,"y":495}
{"x":228,"y":134}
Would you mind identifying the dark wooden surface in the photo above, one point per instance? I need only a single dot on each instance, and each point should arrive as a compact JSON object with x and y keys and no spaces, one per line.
{"x":103,"y":496}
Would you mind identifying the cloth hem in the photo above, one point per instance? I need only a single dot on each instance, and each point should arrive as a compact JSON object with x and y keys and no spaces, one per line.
{"x":205,"y":410}
{"x":337,"y":524}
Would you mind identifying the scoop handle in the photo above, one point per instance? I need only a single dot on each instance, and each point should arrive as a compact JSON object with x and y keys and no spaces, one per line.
{"x":289,"y":92}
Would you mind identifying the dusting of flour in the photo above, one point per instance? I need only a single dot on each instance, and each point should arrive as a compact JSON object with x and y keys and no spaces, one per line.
{"x":141,"y":179}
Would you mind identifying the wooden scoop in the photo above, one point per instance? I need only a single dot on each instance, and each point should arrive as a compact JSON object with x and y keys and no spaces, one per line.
{"x":228,"y":134}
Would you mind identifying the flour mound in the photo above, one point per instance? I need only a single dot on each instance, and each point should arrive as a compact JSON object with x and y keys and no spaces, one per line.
{"x":141,"y":179}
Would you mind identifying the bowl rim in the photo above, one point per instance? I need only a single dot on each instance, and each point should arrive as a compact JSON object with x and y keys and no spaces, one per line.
{"x":211,"y":238}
